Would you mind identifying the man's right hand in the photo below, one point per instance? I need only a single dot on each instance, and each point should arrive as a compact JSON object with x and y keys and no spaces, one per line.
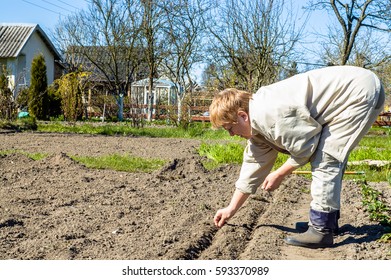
{"x":222,"y":216}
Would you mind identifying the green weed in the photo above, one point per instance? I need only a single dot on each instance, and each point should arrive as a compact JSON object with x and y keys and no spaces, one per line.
{"x":378,"y":211}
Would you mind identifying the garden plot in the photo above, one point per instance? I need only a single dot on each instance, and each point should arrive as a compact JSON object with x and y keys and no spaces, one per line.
{"x":56,"y":208}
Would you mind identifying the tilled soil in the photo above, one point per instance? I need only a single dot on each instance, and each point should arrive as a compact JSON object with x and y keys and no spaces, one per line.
{"x":56,"y":208}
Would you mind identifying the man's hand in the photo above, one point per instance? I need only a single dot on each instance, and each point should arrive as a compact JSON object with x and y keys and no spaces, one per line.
{"x":272,"y":181}
{"x":222,"y":216}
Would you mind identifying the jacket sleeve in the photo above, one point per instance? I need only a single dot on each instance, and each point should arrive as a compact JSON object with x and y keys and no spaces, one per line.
{"x":258,"y":160}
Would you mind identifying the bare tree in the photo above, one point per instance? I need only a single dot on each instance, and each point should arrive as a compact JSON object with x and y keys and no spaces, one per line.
{"x":105,"y":39}
{"x":153,"y":21}
{"x":252,"y":40}
{"x":183,"y":33}
{"x":355,"y":17}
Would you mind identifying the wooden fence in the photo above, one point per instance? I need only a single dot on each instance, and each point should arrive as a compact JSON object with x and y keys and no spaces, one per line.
{"x":197,"y":113}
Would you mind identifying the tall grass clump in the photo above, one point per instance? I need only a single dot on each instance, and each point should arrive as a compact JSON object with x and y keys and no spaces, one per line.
{"x":218,"y":154}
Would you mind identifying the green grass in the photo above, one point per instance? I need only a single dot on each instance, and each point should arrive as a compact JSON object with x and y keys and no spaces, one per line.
{"x":23,"y":124}
{"x":194,"y":131}
{"x":218,"y":154}
{"x":370,"y":147}
{"x":117,"y":162}
{"x":33,"y":156}
{"x":374,"y":146}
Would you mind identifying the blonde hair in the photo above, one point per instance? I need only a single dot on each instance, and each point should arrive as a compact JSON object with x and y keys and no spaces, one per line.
{"x":226,"y":104}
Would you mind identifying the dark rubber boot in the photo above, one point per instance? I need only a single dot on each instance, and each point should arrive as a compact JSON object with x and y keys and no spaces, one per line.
{"x":303,"y":226}
{"x":321,"y":232}
{"x":312,"y":238}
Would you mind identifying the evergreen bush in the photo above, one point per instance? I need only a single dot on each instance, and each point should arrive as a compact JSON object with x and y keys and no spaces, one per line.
{"x":38,"y":105}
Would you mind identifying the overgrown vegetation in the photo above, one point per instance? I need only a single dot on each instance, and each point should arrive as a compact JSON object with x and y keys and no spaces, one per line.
{"x":70,"y":89}
{"x":218,"y":154}
{"x":378,"y":211}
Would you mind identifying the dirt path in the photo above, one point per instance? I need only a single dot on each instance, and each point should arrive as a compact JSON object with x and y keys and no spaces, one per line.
{"x":56,"y":208}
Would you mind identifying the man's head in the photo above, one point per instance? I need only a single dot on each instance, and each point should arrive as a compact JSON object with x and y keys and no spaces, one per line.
{"x":230,"y":109}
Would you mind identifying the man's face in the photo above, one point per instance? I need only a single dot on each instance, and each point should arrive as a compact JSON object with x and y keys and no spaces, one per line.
{"x":241,"y":128}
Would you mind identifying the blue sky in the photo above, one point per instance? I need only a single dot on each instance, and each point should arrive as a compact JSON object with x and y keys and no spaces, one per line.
{"x":47,"y":14}
{"x":44,"y":12}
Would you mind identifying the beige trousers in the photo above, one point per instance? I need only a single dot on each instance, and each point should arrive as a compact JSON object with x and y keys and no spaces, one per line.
{"x":327,"y":172}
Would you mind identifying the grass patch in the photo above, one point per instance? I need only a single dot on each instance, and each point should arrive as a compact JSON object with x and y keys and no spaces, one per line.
{"x":23,"y":124}
{"x":194,"y":131}
{"x":370,"y":147}
{"x":117,"y":162}
{"x":36,"y":156}
{"x":33,"y":156}
{"x":373,"y":148}
{"x":218,"y":154}
{"x":376,"y":148}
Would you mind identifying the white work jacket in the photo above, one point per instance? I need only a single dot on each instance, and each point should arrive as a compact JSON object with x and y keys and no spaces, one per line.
{"x":311,"y":111}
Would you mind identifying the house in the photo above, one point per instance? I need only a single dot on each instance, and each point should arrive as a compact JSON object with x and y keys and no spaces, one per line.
{"x":111,"y":67}
{"x":19,"y":44}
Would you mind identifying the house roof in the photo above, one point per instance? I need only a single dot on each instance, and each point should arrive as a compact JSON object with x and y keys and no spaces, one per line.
{"x":13,"y":38}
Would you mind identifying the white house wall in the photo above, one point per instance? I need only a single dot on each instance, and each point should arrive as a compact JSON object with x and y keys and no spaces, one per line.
{"x":22,"y":71}
{"x":34,"y":47}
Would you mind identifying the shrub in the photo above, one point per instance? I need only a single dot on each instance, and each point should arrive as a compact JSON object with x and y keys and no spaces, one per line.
{"x":38,"y":98}
{"x":7,"y":104}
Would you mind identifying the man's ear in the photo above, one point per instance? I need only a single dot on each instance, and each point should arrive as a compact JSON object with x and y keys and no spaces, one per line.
{"x":243,"y":115}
